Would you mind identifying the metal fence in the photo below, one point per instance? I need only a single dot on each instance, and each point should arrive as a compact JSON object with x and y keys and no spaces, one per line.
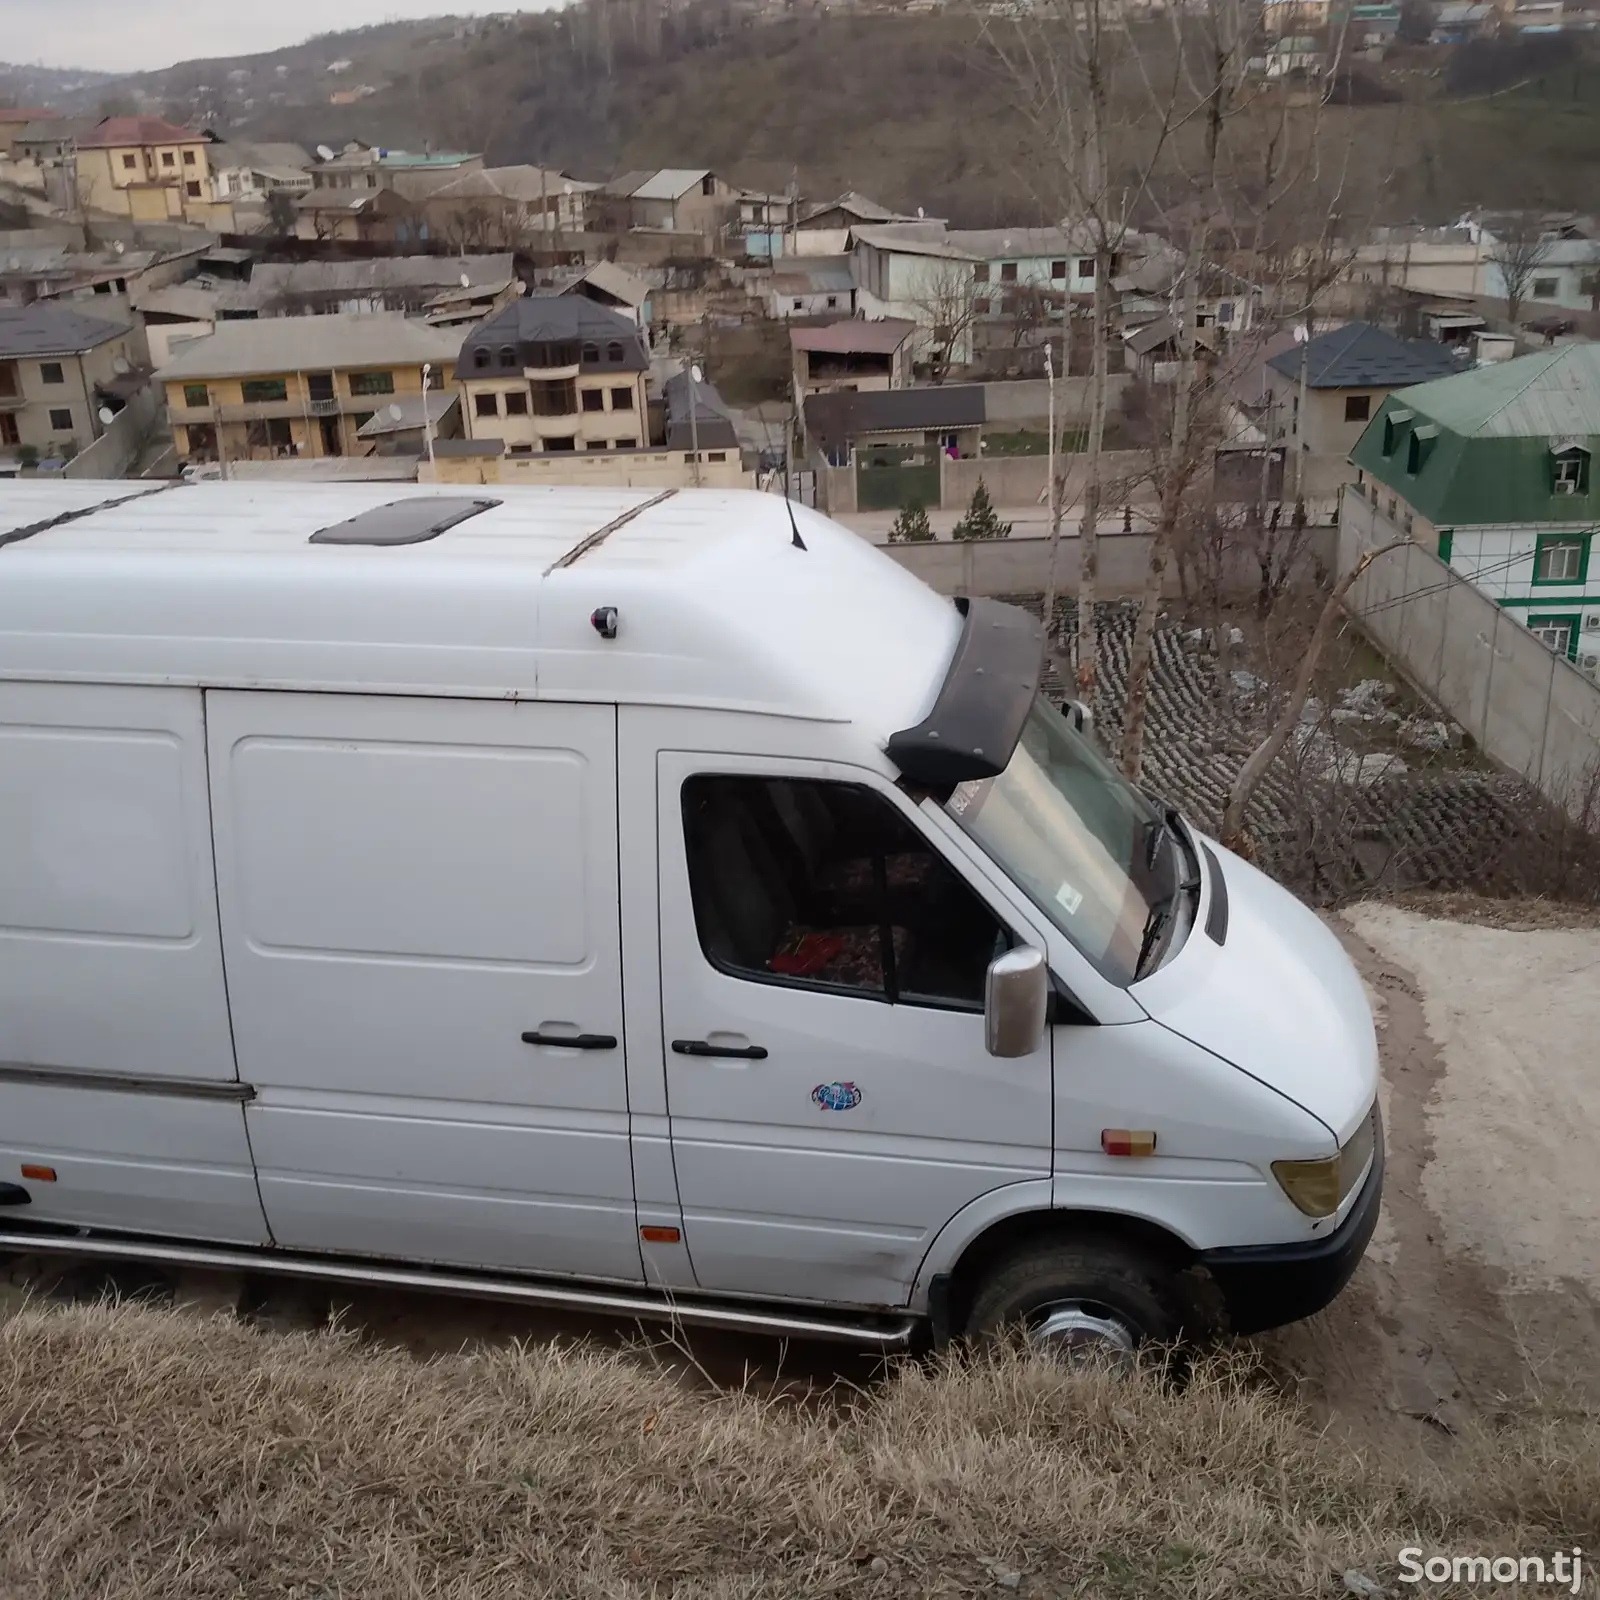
{"x":1528,"y":708}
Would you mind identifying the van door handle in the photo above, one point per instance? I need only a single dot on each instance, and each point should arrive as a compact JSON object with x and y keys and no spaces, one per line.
{"x":573,"y":1041}
{"x":732,"y":1052}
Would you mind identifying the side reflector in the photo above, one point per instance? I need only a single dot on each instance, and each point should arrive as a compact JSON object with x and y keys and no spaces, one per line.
{"x":40,"y":1174}
{"x":660,"y":1235}
{"x":1128,"y":1141}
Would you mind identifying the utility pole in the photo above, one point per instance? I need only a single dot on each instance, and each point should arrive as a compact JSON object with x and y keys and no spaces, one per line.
{"x":694,"y":421}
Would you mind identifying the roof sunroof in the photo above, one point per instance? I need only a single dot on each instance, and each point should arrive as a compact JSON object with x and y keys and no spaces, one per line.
{"x":403,"y":521}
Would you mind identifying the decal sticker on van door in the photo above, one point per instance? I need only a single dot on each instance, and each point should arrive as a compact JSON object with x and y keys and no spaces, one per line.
{"x":837,"y":1096}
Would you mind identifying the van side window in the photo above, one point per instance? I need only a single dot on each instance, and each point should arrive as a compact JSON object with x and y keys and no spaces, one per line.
{"x":826,"y":886}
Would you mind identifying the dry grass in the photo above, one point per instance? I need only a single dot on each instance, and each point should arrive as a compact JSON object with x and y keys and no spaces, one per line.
{"x":148,"y":1453}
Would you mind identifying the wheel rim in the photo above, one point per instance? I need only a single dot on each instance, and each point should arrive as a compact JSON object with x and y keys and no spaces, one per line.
{"x":1081,"y":1327}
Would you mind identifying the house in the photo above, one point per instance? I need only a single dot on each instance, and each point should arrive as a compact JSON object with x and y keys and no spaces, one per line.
{"x":812,"y":286}
{"x":823,"y":229}
{"x":14,"y":121}
{"x":1349,"y":372}
{"x":59,"y":369}
{"x":697,"y":418}
{"x":1280,"y":17}
{"x":894,"y":425}
{"x":678,"y":199}
{"x":948,"y":279}
{"x":1495,"y":469}
{"x":145,"y":168}
{"x":1295,"y":56}
{"x":361,"y":167}
{"x":362,"y":216}
{"x":616,"y":288}
{"x":853,"y":355}
{"x":555,"y":373}
{"x":508,"y":206}
{"x":1369,"y":26}
{"x":1154,"y":349}
{"x":252,"y":171}
{"x":1155,"y":285}
{"x":48,"y":142}
{"x":1433,"y":261}
{"x":297,"y":386}
{"x":1562,"y":273}
{"x":410,"y":423}
{"x":764,"y":222}
{"x":415,"y":285}
{"x":1455,"y":24}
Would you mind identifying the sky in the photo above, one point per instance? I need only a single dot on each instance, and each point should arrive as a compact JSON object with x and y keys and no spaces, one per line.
{"x":116,"y":36}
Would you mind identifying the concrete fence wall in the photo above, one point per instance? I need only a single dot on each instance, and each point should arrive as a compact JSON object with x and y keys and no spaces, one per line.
{"x":1017,"y":403}
{"x":118,"y":447}
{"x":1021,"y":480}
{"x":1528,"y":708}
{"x":1022,"y":565}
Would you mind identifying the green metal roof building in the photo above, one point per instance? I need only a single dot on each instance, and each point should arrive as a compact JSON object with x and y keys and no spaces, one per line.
{"x":1495,"y":469}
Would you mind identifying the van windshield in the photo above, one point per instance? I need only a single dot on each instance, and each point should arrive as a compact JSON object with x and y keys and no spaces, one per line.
{"x":1075,"y":836}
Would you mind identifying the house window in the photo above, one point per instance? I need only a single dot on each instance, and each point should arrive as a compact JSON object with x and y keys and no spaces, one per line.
{"x":1225,"y":313}
{"x":981,"y":307}
{"x":192,"y":190}
{"x":627,"y":444}
{"x":591,"y":354}
{"x":508,"y":356}
{"x":50,"y":372}
{"x":1008,"y":272}
{"x":522,"y":450}
{"x":188,"y":158}
{"x":371,"y":383}
{"x":60,"y":421}
{"x":1571,"y":470}
{"x":168,"y":159}
{"x":1058,"y":270}
{"x":1447,"y":539}
{"x":555,"y":397}
{"x":594,"y":399}
{"x":980,"y":273}
{"x":716,"y":455}
{"x":1545,"y":288}
{"x":196,"y":394}
{"x":826,"y":886}
{"x":708,"y":184}
{"x":799,"y":305}
{"x":614,"y":353}
{"x":516,"y":403}
{"x":1393,"y":426}
{"x":1561,"y":557}
{"x":1086,"y":267}
{"x":263,"y":391}
{"x":622,"y":399}
{"x":564,"y":444}
{"x":480,"y":357}
{"x":1559,"y":634}
{"x":486,"y":404}
{"x":1418,"y":446}
{"x":1357,"y":407}
{"x":130,"y":163}
{"x":833,"y":301}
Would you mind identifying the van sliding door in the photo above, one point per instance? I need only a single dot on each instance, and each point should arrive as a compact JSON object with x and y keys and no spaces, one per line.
{"x":419,"y":915}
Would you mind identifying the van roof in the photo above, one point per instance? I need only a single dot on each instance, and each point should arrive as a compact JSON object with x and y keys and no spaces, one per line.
{"x":219,"y":585}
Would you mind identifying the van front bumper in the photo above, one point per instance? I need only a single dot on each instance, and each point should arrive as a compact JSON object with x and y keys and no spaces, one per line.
{"x":1265,"y":1286}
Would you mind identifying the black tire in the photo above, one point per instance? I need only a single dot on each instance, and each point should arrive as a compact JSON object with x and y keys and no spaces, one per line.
{"x":1109,"y":1277}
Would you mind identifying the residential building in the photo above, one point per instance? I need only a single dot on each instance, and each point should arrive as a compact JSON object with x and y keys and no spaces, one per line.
{"x":1564,"y":273}
{"x":765,"y":221}
{"x":361,"y":216}
{"x":895,"y":426}
{"x":412,"y":424}
{"x":297,"y":386}
{"x":145,"y":168}
{"x":59,"y":369}
{"x":1156,"y":285}
{"x":853,"y":356}
{"x":1455,"y":24}
{"x":508,"y":206}
{"x":678,"y":199}
{"x":1295,"y":55}
{"x":698,"y":419}
{"x":1281,"y":17}
{"x":1349,"y":373}
{"x":50,"y":141}
{"x":14,"y":120}
{"x":812,"y":286}
{"x":555,"y":373}
{"x":242,"y":171}
{"x":364,"y":168}
{"x":616,"y":288}
{"x":1155,"y":349}
{"x":1435,"y":261}
{"x":455,"y":286}
{"x":1495,"y":469}
{"x":823,"y":229}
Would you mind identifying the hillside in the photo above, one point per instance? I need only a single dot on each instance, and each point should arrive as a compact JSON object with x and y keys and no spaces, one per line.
{"x":909,"y":108}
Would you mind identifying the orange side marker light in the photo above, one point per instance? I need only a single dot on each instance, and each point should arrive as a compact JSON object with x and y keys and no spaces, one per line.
{"x":660,"y":1235}
{"x":1128,"y":1141}
{"x":40,"y":1174}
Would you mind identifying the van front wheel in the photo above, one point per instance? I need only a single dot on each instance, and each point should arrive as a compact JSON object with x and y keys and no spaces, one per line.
{"x":1087,"y":1296}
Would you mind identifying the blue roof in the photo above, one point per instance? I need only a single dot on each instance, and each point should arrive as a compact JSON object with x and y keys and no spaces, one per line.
{"x":1360,"y":356}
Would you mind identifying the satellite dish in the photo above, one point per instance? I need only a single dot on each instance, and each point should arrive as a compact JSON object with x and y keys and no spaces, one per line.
{"x":1301,"y":333}
{"x":466,"y":280}
{"x":120,"y":366}
{"x":396,"y":414}
{"x":696,"y":374}
{"x":566,"y":188}
{"x":119,"y":247}
{"x":107,"y":416}
{"x":324,"y":153}
{"x":921,"y":212}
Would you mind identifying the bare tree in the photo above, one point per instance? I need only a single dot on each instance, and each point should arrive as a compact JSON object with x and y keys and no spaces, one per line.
{"x":1518,"y":248}
{"x":280,"y":213}
{"x":946,"y":304}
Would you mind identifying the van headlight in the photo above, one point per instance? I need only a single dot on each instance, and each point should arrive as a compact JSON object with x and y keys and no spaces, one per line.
{"x":1319,"y":1188}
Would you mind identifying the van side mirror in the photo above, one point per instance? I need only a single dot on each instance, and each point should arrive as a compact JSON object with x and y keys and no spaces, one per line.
{"x":1016,"y":1000}
{"x":1080,"y":716}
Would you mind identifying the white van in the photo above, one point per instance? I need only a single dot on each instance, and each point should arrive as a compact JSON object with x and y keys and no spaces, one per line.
{"x":655,"y":903}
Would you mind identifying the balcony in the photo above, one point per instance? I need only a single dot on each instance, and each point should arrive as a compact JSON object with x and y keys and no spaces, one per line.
{"x":323,"y":408}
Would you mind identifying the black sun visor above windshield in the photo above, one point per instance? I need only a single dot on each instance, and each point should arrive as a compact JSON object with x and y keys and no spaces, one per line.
{"x":977,"y":718}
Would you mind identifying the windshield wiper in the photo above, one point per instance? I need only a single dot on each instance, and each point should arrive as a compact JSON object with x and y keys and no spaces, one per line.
{"x":1161,"y":907}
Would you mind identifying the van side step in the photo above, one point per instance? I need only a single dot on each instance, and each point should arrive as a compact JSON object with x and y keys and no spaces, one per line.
{"x":887,"y":1336}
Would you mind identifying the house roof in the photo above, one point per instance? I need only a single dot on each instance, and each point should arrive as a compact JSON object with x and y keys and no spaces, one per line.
{"x":130,"y":131}
{"x":487,"y":273}
{"x":245,"y":349}
{"x":856,"y":206}
{"x":814,"y":275}
{"x":914,"y":239}
{"x":847,"y":416}
{"x":553,"y":319}
{"x":53,"y":130}
{"x":975,"y":244}
{"x":713,"y":422}
{"x":48,"y":329}
{"x":669,"y":183}
{"x":522,"y":184}
{"x":438,"y":403}
{"x":1551,"y":393}
{"x":18,"y":114}
{"x":1361,"y":356}
{"x":854,"y":336}
{"x":271,"y":158}
{"x":618,"y":282}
